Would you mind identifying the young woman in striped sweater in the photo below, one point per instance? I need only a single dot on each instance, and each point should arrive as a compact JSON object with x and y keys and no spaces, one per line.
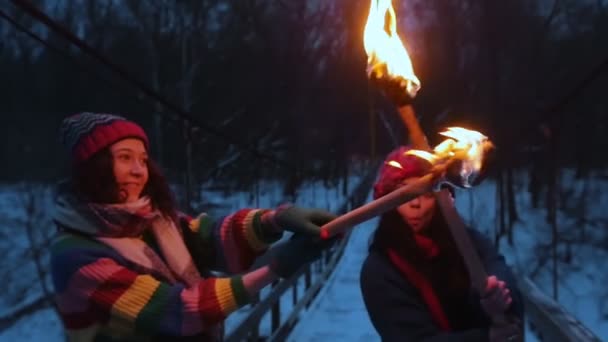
{"x":128,"y":266}
{"x":414,"y":281}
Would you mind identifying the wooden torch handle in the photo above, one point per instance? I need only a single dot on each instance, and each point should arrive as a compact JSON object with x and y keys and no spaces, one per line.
{"x":379,"y":206}
{"x":461,"y":237}
{"x":417,"y":137}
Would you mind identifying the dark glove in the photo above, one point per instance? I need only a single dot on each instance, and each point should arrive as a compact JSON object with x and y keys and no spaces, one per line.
{"x":510,"y":332}
{"x":299,"y":250}
{"x":496,"y":298}
{"x":302,"y":220}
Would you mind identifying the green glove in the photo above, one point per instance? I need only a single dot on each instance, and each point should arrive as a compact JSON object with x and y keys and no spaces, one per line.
{"x":299,"y":250}
{"x":302,"y":220}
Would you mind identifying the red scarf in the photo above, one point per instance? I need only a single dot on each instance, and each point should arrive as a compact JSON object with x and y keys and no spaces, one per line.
{"x":430,"y":249}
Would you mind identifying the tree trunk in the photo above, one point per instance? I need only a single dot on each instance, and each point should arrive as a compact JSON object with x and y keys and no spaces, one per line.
{"x":583,"y":217}
{"x":500,"y":187}
{"x":554,"y":242}
{"x":372,"y":122}
{"x":30,"y":226}
{"x":158,"y":136}
{"x":187,"y":130}
{"x":513,"y":217}
{"x":552,"y":210}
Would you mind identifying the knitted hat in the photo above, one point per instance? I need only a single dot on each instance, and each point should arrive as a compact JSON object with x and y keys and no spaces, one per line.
{"x":85,"y":134}
{"x":398,"y":167}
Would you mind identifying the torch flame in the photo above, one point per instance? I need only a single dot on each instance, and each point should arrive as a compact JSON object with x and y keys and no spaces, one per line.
{"x":386,"y":54}
{"x":462,"y":144}
{"x":472,"y":142}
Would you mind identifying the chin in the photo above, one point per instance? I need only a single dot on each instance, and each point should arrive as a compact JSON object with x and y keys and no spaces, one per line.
{"x":132,"y":199}
{"x":419,"y":228}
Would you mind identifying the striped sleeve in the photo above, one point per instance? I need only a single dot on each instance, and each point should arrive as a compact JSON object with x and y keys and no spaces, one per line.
{"x":93,"y":288}
{"x":237,"y":239}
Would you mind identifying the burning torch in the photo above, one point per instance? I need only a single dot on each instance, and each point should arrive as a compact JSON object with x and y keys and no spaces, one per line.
{"x":390,"y":67}
{"x":459,"y":160}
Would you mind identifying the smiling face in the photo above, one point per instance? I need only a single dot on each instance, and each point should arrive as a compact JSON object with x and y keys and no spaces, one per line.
{"x":130,"y":166}
{"x":418,"y":212}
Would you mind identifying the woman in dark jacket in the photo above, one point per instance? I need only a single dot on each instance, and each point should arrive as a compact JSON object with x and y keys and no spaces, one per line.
{"x":414,"y":281}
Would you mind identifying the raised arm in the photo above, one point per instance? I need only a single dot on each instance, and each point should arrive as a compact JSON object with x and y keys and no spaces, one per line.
{"x":93,"y":286}
{"x":233,"y":242}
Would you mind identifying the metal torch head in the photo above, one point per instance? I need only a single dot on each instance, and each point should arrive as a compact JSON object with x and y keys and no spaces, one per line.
{"x":466,"y":173}
{"x":463,"y":159}
{"x":399,"y":91}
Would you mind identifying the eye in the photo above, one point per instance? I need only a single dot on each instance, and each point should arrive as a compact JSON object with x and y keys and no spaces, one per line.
{"x":124,"y":157}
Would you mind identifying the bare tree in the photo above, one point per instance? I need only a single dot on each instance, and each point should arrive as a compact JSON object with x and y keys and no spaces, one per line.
{"x":27,"y":281}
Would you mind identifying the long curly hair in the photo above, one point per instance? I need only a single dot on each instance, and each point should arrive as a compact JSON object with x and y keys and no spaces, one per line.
{"x":94,"y":180}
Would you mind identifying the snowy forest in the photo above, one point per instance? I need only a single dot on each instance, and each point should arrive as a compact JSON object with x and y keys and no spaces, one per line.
{"x":242,"y":95}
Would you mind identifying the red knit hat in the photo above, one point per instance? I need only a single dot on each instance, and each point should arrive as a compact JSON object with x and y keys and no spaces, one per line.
{"x":398,"y":167}
{"x":85,"y":134}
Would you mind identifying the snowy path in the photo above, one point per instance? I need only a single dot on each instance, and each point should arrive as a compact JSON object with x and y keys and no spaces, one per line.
{"x":338,"y":312}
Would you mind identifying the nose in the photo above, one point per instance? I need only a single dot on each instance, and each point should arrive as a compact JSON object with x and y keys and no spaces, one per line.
{"x":415,"y":203}
{"x":137,"y":168}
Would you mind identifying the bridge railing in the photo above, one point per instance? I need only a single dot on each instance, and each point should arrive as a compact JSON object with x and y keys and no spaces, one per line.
{"x":548,"y":320}
{"x":302,"y":286}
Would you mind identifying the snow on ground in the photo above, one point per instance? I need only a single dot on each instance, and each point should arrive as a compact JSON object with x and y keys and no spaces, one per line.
{"x":338,"y":313}
{"x":22,"y":286}
{"x":579,"y":277}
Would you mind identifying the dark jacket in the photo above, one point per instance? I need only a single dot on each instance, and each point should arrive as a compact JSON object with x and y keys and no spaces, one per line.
{"x":399,"y":313}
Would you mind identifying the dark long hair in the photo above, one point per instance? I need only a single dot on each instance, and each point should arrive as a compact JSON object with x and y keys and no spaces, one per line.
{"x":94,"y":180}
{"x":447,"y":272}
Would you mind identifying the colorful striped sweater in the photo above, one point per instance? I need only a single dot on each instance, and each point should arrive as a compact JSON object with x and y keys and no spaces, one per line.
{"x":102,"y":295}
